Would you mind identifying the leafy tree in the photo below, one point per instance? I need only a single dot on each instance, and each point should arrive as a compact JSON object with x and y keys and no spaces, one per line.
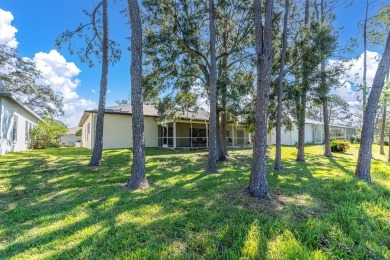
{"x":105,"y":50}
{"x":138,"y":172}
{"x":258,"y":185}
{"x":365,"y":151}
{"x":79,"y":132}
{"x":20,"y":76}
{"x":177,"y":50}
{"x":46,"y":134}
{"x":338,"y":109}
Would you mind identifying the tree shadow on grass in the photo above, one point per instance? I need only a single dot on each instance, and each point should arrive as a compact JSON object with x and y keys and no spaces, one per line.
{"x":82,"y":212}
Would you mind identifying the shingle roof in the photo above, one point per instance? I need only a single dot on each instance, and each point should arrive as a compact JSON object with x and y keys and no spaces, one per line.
{"x":150,"y":110}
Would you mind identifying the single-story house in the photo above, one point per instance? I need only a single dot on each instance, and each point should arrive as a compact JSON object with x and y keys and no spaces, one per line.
{"x":70,"y":138}
{"x":188,"y":130}
{"x":16,"y":121}
{"x":314,"y":133}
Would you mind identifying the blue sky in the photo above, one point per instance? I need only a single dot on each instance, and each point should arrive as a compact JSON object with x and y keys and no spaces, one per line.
{"x":39,"y":22}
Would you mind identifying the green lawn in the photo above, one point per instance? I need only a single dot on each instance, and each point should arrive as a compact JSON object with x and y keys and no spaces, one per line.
{"x":53,"y":206}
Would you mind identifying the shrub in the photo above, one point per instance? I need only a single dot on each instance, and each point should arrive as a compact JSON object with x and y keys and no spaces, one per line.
{"x":354,"y":139}
{"x":386,"y":143}
{"x":46,"y":134}
{"x":339,"y":146}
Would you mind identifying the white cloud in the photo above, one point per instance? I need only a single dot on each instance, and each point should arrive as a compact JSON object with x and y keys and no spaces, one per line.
{"x":354,"y":76}
{"x":7,"y":31}
{"x":93,"y":91}
{"x":60,"y":75}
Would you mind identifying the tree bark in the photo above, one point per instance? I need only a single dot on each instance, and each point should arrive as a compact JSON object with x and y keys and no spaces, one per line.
{"x":212,"y":162}
{"x":301,"y":107}
{"x":98,"y":146}
{"x":328,"y":151}
{"x":220,"y":155}
{"x":278,"y":154}
{"x":222,"y":132}
{"x":365,"y":59}
{"x":382,"y":148}
{"x":388,"y":158}
{"x":138,"y":172}
{"x":365,"y":151}
{"x":258,"y":185}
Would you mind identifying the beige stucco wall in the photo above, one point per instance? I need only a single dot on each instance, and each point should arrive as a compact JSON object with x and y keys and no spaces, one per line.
{"x":117,"y":131}
{"x":8,"y":109}
{"x":87,"y":137}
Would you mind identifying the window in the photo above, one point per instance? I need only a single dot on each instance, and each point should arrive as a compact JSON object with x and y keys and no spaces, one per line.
{"x":15,"y":129}
{"x":88,"y":130}
{"x":27,"y":132}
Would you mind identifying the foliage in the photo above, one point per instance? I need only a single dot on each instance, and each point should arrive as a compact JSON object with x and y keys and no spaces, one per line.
{"x":53,"y":206}
{"x":79,"y":132}
{"x":20,"y":77}
{"x":46,"y":134}
{"x":92,"y":34}
{"x":339,"y":110}
{"x":176,"y":50}
{"x":354,"y":139}
{"x":379,"y":25}
{"x":340,"y":146}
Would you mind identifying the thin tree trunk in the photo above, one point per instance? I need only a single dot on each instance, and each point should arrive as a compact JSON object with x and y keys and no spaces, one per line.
{"x":365,"y":59}
{"x":220,"y":155}
{"x":278,"y":154}
{"x":222,"y":135}
{"x":324,"y":98}
{"x":364,"y":160}
{"x":258,"y":185}
{"x":328,"y":151}
{"x":388,"y":159}
{"x":138,"y":172}
{"x":212,"y":162}
{"x":301,"y":131}
{"x":382,"y":148}
{"x":98,"y":146}
{"x":301,"y":108}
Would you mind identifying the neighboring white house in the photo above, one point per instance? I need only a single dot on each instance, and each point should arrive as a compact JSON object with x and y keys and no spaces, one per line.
{"x":314,"y":133}
{"x":70,"y":138}
{"x":188,"y":130}
{"x":16,"y":121}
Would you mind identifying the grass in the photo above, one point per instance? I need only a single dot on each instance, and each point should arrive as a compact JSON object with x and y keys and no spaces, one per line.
{"x":53,"y":206}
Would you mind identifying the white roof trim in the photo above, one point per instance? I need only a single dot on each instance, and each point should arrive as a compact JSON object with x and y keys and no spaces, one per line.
{"x":20,"y":103}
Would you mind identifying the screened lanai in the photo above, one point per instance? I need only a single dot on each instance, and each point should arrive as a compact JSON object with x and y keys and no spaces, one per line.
{"x":194,"y":134}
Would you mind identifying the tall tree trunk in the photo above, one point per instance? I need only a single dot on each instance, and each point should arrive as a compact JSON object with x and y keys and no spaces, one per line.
{"x":382,"y":148}
{"x":222,"y":135}
{"x":212,"y":162}
{"x":365,"y":59}
{"x":328,"y":151}
{"x":365,"y":151}
{"x":220,"y":155}
{"x":301,"y":129}
{"x":325,"y":111}
{"x":138,"y":172}
{"x":301,"y":107}
{"x":98,"y":146}
{"x":278,"y":154}
{"x":388,"y":158}
{"x":258,"y":185}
